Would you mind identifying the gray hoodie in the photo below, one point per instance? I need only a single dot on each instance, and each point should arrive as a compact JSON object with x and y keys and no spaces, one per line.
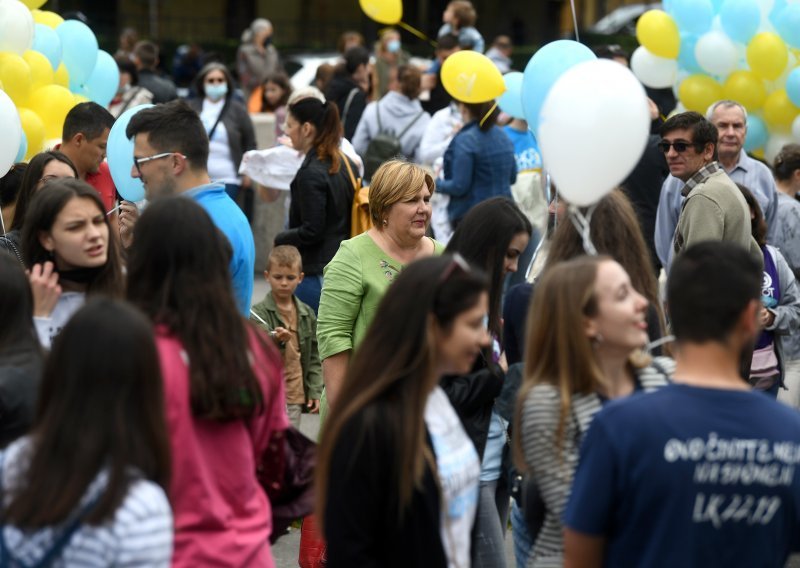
{"x":396,"y":112}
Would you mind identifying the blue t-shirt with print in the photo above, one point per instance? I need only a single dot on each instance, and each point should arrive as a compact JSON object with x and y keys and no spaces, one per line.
{"x":691,"y":476}
{"x":229,"y":219}
{"x":526,"y":150}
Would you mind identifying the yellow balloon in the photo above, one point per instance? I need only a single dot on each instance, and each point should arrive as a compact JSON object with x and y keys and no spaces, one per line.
{"x":778,"y":109}
{"x":387,"y":12}
{"x":41,"y":71}
{"x":80,"y":98}
{"x":767,"y":55}
{"x":471,"y":77}
{"x":49,"y":19}
{"x":33,"y":4}
{"x":658,"y":32}
{"x":61,"y":76}
{"x":746,"y":88}
{"x":698,"y":92}
{"x":15,"y":73}
{"x":52,"y":103}
{"x":34,"y":131}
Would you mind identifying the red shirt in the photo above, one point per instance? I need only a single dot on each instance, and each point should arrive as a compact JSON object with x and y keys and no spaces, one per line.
{"x":104,"y":185}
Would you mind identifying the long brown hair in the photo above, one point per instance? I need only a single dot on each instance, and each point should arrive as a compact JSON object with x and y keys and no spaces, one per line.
{"x":616,"y":233}
{"x":393,"y":372}
{"x":558,"y":353}
{"x":325,"y":119}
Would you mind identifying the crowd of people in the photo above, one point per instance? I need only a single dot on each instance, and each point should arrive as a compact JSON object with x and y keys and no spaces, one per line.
{"x":472,"y":365}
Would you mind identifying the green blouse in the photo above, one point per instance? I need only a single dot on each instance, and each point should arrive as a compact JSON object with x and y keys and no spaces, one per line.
{"x":355,"y":281}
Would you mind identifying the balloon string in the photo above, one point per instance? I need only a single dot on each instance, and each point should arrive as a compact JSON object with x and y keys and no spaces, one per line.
{"x":575,"y":20}
{"x":487,"y":115}
{"x":583,"y":225}
{"x":417,"y":33}
{"x":546,"y":190}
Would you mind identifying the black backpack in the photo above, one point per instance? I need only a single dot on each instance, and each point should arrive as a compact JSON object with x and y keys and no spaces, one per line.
{"x":385,"y":146}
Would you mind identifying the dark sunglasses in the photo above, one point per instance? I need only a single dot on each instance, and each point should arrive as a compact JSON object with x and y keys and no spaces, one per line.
{"x":680,"y":147}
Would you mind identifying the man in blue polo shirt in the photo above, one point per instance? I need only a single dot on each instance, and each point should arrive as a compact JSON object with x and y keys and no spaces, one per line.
{"x":170,"y":156}
{"x":705,"y":472}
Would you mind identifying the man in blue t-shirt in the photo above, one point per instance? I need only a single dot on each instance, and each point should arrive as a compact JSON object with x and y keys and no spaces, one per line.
{"x":170,"y":156}
{"x":705,"y":471}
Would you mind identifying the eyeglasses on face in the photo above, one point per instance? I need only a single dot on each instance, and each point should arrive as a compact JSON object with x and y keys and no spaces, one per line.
{"x":680,"y":147}
{"x":139,"y":161}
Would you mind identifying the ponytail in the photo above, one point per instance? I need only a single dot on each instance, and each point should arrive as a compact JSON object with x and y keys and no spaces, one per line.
{"x":787,"y":161}
{"x":325,"y":118}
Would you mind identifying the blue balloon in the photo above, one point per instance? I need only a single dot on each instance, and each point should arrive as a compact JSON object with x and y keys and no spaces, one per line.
{"x":740,"y":19}
{"x":104,"y":80}
{"x":686,"y":58}
{"x":787,"y":24}
{"x":757,"y":133}
{"x":544,"y":69}
{"x":47,"y":42}
{"x":510,"y":102}
{"x":78,"y":50}
{"x":23,"y":148}
{"x":120,"y":157}
{"x":693,"y":16}
{"x":793,"y":86}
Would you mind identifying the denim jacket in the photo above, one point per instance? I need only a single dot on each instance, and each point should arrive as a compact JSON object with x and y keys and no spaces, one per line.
{"x":477,"y":165}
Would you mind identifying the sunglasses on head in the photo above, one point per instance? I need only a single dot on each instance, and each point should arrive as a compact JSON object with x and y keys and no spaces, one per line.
{"x":680,"y":147}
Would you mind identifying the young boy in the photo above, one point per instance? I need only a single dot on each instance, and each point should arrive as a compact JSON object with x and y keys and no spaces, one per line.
{"x":293,"y":326}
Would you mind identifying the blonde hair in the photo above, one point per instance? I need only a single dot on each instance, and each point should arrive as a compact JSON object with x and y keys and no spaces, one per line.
{"x":285,"y":255}
{"x":395,"y":181}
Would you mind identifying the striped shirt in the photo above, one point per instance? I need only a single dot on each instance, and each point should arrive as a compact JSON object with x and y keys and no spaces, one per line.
{"x":138,"y":534}
{"x":553,"y":470}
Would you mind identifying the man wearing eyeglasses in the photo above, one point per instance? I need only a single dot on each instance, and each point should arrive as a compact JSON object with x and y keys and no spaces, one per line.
{"x":713,"y":208}
{"x":730,"y":118}
{"x":170,"y":156}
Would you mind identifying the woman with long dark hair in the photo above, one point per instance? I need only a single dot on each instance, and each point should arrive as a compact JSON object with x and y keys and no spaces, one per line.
{"x":87,"y":486}
{"x":71,"y":252}
{"x":322,"y":192}
{"x":222,"y":379}
{"x":492,"y":236}
{"x":397,"y":476}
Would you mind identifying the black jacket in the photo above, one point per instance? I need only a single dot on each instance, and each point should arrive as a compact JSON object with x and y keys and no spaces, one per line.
{"x":472,"y":396}
{"x":338,"y":91}
{"x":361,"y":521}
{"x":20,"y":376}
{"x":319,"y":216}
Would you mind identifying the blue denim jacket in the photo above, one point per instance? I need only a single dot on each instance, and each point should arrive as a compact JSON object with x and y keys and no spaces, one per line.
{"x":477,"y":165}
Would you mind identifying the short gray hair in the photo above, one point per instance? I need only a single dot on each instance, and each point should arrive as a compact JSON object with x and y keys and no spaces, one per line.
{"x":726,"y":103}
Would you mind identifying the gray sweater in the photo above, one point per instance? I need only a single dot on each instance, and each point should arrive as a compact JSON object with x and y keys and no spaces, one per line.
{"x":396,"y":112}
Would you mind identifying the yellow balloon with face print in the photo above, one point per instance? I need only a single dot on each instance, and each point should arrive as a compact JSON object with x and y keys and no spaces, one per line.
{"x":471,"y":77}
{"x":387,"y":12}
{"x":779,"y":112}
{"x":698,"y":92}
{"x":15,"y":73}
{"x":49,"y":19}
{"x":41,"y":71}
{"x":767,"y":55}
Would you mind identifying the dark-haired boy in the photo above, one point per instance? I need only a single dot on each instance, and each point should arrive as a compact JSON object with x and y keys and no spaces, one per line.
{"x":293,"y":326}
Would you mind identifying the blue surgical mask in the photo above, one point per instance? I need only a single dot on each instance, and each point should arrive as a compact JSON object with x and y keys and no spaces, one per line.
{"x":216,"y":91}
{"x":393,"y":46}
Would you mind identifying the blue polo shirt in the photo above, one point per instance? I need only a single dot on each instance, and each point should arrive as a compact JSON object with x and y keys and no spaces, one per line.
{"x":231,"y":221}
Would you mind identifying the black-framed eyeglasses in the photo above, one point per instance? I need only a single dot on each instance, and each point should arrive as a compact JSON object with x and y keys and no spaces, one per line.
{"x":680,"y":147}
{"x":139,"y":161}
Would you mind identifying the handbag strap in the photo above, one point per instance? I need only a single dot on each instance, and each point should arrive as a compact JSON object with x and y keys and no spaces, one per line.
{"x":219,"y":119}
{"x":348,"y":102}
{"x":349,"y":171}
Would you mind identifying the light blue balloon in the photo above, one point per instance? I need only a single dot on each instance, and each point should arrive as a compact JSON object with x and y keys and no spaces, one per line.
{"x":78,"y":50}
{"x":120,"y":157}
{"x":23,"y":148}
{"x":740,"y":19}
{"x":787,"y":24}
{"x":686,"y":57}
{"x":544,"y":69}
{"x":793,"y":86}
{"x":510,"y":102}
{"x":757,"y":133}
{"x":104,"y":80}
{"x":47,"y":42}
{"x":693,"y":16}
{"x":717,"y":5}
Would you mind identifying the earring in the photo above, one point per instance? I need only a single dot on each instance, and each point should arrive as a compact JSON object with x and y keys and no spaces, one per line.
{"x":385,"y":222}
{"x":597,"y":339}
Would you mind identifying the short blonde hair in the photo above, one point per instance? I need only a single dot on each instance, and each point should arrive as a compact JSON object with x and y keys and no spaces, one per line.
{"x":287,"y":256}
{"x":393,"y":182}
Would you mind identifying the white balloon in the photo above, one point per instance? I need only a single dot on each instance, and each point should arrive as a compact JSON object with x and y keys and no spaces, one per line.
{"x":593,"y":129}
{"x":12,"y":133}
{"x":716,"y":53}
{"x":652,"y":70}
{"x":16,"y":27}
{"x":775,"y":144}
{"x":796,"y":130}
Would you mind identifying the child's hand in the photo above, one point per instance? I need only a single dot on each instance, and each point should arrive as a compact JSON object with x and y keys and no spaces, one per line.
{"x":283,"y":335}
{"x":313,"y":406}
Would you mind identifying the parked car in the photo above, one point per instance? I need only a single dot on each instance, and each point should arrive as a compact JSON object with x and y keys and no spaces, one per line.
{"x":623,"y":19}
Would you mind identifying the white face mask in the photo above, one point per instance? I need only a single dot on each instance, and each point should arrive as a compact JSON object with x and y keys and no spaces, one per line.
{"x":216,"y":91}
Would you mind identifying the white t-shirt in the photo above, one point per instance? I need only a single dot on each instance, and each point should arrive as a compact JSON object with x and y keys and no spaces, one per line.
{"x":220,"y":162}
{"x":47,"y":328}
{"x":459,"y":469}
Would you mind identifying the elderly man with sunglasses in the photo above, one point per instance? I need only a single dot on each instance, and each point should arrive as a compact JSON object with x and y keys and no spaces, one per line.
{"x":713,"y":207}
{"x":730,"y":119}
